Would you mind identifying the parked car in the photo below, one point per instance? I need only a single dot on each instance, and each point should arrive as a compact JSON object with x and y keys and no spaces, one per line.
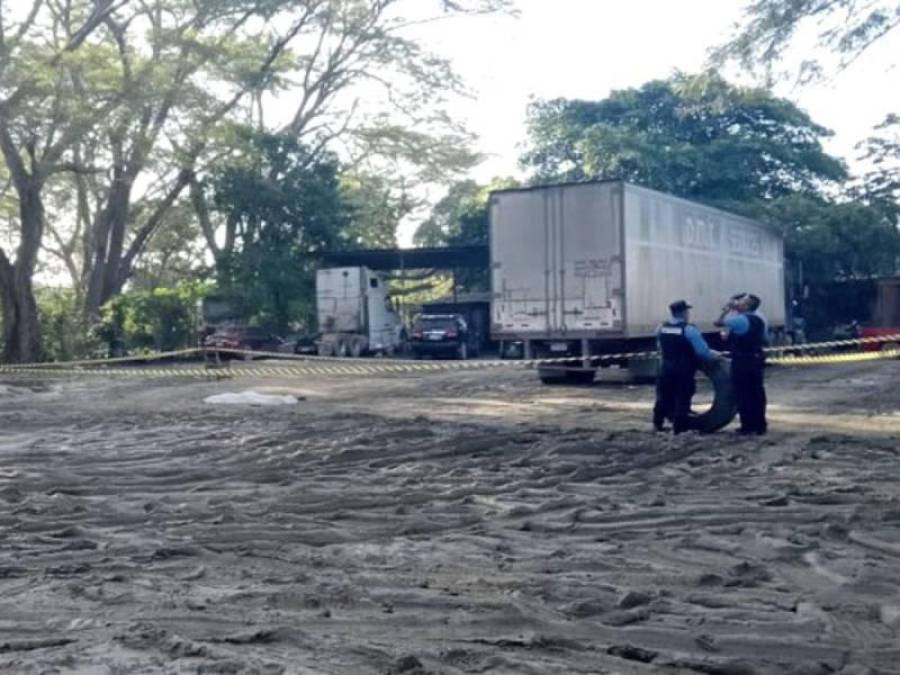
{"x":244,"y":338}
{"x":306,"y":345}
{"x":442,"y":335}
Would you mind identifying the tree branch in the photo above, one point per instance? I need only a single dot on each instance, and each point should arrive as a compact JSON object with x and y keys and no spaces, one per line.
{"x":14,"y":163}
{"x":27,"y":23}
{"x":65,"y":254}
{"x":102,"y":9}
{"x":143,"y":236}
{"x":7,"y":271}
{"x":198,"y":199}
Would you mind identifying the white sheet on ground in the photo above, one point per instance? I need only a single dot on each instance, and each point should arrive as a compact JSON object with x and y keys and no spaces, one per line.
{"x":250,"y":397}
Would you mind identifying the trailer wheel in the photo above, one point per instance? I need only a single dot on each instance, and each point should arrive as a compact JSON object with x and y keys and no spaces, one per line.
{"x":342,"y":349}
{"x":356,"y":347}
{"x":723,"y":407}
{"x":565,"y":376}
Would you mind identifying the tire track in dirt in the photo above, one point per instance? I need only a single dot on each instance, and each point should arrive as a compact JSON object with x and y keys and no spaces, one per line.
{"x":313,"y":541}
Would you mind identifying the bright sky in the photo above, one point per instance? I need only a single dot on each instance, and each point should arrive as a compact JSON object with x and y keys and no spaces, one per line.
{"x":586,"y":48}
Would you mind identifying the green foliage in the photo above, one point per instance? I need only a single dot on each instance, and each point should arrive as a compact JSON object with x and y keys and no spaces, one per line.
{"x":65,"y":334}
{"x":694,"y":136}
{"x":174,"y":255}
{"x":461,"y":217}
{"x":845,"y":29}
{"x":881,"y":185}
{"x":374,"y":211}
{"x":287,"y":208}
{"x":162,"y":319}
{"x":831,"y":240}
{"x":739,"y":149}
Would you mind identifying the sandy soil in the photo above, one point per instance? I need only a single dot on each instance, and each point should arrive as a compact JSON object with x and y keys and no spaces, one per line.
{"x":455,"y":523}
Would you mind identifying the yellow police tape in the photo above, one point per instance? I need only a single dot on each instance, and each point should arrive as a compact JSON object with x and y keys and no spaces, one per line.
{"x":323,"y":365}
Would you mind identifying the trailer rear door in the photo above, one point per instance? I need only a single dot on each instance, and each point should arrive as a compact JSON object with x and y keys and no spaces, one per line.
{"x":588,"y":264}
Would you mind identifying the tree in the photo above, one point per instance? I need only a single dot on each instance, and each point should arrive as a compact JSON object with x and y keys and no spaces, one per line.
{"x":284,"y":205}
{"x":461,"y":216}
{"x":881,"y":184}
{"x":375,"y":209}
{"x":161,"y":319}
{"x":739,"y":149}
{"x":132,"y":100}
{"x":461,"y":219}
{"x":694,"y":136}
{"x":844,"y":28}
{"x":34,"y":138}
{"x":364,"y":89}
{"x":176,"y":254}
{"x":832,"y":240}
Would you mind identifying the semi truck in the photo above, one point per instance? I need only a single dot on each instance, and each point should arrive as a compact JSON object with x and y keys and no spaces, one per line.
{"x":589,"y":269}
{"x":355,"y":313}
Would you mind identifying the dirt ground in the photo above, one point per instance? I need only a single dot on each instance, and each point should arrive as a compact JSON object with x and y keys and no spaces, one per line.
{"x":456,"y":523}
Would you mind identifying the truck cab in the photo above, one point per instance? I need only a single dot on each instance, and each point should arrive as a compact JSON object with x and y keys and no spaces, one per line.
{"x":355,"y":313}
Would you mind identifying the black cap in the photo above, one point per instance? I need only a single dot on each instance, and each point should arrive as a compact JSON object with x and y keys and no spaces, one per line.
{"x":678,"y":307}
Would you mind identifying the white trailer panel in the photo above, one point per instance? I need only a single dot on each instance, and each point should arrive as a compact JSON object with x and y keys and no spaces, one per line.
{"x":675,"y":248}
{"x":605,"y":259}
{"x":340,"y":299}
{"x":556,"y":260}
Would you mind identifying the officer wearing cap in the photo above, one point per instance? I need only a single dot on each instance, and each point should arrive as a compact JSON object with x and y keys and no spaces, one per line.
{"x":682,"y":349}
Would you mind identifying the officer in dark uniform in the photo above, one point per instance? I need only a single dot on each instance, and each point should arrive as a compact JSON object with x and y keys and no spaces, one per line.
{"x":747,"y":335}
{"x":682,"y":348}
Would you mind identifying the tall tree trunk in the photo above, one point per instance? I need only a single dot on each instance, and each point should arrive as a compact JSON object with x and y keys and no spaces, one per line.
{"x":21,"y":329}
{"x":111,"y":264}
{"x":106,"y":247}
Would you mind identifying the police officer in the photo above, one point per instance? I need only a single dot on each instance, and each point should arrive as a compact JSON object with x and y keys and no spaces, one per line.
{"x":682,"y":348}
{"x":747,"y":335}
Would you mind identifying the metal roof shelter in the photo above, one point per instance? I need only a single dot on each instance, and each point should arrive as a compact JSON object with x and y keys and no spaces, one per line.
{"x":444,"y":257}
{"x":468,"y":298}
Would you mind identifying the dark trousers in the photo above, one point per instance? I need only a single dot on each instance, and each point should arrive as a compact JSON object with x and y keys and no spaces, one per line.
{"x":674,"y":391}
{"x":750,"y":392}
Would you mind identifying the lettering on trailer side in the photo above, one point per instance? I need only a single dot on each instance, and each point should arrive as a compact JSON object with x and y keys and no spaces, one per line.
{"x":745,"y":241}
{"x":700,"y":232}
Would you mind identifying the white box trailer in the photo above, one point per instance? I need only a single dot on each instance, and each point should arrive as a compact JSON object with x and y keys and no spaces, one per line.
{"x":590,"y":268}
{"x":355,"y":313}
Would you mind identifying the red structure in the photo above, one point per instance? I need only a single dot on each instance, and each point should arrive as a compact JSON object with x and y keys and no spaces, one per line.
{"x":885,"y":314}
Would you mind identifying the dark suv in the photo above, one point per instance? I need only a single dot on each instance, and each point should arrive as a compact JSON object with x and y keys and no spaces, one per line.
{"x":441,"y":335}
